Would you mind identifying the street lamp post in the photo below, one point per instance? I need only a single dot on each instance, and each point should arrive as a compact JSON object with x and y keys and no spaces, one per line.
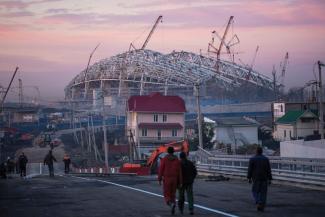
{"x":321,"y":119}
{"x":199,"y":115}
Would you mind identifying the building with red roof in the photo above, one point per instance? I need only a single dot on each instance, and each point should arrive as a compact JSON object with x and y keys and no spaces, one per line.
{"x":155,"y":119}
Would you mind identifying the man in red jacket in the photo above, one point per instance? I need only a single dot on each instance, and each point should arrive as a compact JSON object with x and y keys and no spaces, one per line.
{"x":171,"y":175}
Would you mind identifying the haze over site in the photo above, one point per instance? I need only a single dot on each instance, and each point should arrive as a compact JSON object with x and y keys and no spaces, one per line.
{"x":50,"y":40}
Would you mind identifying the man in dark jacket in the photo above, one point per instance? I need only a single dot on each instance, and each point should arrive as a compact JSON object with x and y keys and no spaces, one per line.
{"x":259,"y":171}
{"x":171,"y":175}
{"x":188,"y":173}
{"x":22,"y":160}
{"x":49,"y":158}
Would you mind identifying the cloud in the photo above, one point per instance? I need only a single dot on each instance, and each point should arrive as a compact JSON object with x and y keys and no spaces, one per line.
{"x":17,"y":14}
{"x":206,"y":13}
{"x":22,"y":4}
{"x":96,"y":19}
{"x":57,"y":11}
{"x":14,"y":4}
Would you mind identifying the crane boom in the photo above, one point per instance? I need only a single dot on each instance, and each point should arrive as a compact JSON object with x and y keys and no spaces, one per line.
{"x":90,"y":56}
{"x":151,"y":32}
{"x":4,"y":97}
{"x":224,"y":37}
{"x":254,"y":58}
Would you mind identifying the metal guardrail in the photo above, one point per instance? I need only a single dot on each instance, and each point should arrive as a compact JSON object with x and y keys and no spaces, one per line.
{"x":302,"y":171}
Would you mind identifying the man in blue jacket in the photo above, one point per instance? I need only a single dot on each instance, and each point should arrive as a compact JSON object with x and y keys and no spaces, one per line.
{"x":259,"y":171}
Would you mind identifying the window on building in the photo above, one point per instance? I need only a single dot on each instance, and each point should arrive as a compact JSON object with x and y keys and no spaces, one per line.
{"x":290,"y":134}
{"x":155,"y":118}
{"x":164,"y":117}
{"x":174,"y":132}
{"x":285,"y":133}
{"x":144,"y":132}
{"x":159,"y":134}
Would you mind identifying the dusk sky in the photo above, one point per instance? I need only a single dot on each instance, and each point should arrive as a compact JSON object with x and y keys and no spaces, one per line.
{"x":50,"y":40}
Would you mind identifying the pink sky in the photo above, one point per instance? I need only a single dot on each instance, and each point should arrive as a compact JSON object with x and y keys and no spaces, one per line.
{"x":50,"y":40}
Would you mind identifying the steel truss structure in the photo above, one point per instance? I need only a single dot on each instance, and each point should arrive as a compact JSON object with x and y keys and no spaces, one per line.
{"x":141,"y":69}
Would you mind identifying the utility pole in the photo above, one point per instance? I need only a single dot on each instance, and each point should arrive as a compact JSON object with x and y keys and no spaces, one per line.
{"x":105,"y":137}
{"x":274,"y":84}
{"x":199,"y":115}
{"x":21,"y":97}
{"x":321,"y":121}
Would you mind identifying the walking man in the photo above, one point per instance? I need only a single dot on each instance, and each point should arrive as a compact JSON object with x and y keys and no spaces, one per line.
{"x":22,"y":160}
{"x":259,"y":171}
{"x":49,"y":158}
{"x":171,"y":175}
{"x":188,"y":173}
{"x":67,"y":161}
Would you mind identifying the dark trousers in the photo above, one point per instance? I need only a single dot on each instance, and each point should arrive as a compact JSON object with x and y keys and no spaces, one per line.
{"x":259,"y":190}
{"x":66,"y":168}
{"x":51,"y":170}
{"x":22,"y":171}
{"x":181,"y":196}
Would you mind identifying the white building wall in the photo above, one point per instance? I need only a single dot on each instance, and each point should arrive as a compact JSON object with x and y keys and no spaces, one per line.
{"x":171,"y":118}
{"x":227,"y":135}
{"x":279,"y":132}
{"x":135,"y":118}
{"x":305,"y":129}
{"x":303,"y":149}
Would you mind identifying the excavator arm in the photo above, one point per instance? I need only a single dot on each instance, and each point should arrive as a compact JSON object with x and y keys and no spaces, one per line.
{"x":180,"y":146}
{"x":139,"y":169}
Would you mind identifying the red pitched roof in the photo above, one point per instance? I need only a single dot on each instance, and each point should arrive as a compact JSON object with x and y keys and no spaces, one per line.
{"x":160,"y":125}
{"x":156,"y":102}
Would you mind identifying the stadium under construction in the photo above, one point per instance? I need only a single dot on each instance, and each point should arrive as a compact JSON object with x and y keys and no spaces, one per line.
{"x":141,"y":71}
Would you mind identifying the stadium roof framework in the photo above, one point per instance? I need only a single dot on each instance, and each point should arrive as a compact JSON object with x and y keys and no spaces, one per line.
{"x":176,"y":69}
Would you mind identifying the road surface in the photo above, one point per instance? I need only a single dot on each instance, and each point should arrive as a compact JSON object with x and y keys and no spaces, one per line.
{"x":117,"y":196}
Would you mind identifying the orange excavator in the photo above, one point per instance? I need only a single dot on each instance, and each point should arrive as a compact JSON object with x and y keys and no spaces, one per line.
{"x":150,"y":166}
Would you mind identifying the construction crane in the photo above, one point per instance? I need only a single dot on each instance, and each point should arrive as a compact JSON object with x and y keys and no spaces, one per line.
{"x":4,"y":97}
{"x":90,"y":56}
{"x":132,"y":47}
{"x":250,"y":68}
{"x":86,"y":72}
{"x":21,"y":89}
{"x":217,"y":51}
{"x":279,"y":79}
{"x":159,"y":19}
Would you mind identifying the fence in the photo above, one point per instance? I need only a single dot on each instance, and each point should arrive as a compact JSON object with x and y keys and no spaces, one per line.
{"x":297,"y":170}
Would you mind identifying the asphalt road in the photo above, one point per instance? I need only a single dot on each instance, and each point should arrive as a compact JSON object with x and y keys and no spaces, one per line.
{"x":69,"y":196}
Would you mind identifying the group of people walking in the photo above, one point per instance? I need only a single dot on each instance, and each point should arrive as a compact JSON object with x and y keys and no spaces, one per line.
{"x":50,"y":159}
{"x":10,"y":166}
{"x":179,"y":173}
{"x":19,"y":166}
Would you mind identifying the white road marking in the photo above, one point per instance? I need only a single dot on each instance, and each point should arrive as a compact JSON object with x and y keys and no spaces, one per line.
{"x":157,"y":195}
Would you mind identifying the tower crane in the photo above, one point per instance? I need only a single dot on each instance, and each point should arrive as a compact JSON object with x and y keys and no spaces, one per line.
{"x":250,"y":68}
{"x":159,"y":19}
{"x":280,"y":78}
{"x":86,"y":72}
{"x":217,"y":51}
{"x":5,"y":95}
